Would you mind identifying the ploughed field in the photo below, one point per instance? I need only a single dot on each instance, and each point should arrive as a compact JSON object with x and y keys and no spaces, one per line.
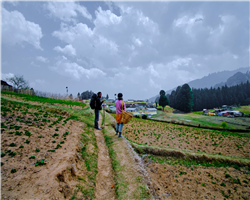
{"x":37,"y":157}
{"x":173,"y":180}
{"x":187,"y":138}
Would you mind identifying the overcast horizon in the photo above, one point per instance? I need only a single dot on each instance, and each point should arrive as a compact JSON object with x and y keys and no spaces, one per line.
{"x":136,"y":48}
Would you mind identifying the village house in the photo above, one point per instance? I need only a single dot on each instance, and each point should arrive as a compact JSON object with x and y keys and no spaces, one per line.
{"x":5,"y":86}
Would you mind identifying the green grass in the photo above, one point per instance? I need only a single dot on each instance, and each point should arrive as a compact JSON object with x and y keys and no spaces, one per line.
{"x":27,"y":97}
{"x":244,"y":109}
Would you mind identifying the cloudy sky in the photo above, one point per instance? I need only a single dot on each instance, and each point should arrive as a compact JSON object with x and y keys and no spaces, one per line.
{"x":137,"y":48}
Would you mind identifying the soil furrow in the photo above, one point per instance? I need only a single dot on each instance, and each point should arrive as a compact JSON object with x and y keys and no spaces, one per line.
{"x":105,"y":177}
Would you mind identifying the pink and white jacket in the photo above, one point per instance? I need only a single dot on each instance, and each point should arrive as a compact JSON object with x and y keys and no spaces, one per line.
{"x":118,"y":105}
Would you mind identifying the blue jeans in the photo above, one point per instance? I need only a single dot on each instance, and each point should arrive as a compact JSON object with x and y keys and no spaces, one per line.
{"x":119,"y":127}
{"x":96,"y":118}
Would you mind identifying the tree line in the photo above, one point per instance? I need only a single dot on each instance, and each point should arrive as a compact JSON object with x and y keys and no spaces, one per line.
{"x":186,"y":99}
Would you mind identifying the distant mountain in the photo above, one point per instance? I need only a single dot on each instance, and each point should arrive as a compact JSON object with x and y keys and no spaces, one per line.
{"x":209,"y":81}
{"x":237,"y":78}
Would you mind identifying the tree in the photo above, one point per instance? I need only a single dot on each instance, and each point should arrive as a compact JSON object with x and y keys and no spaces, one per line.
{"x":163,"y":101}
{"x":18,"y":82}
{"x":185,"y":98}
{"x":157,"y":101}
{"x":107,"y":97}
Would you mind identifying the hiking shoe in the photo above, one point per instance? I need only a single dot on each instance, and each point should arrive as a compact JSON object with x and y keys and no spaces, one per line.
{"x":116,"y":133}
{"x":98,"y":128}
{"x":120,"y":135}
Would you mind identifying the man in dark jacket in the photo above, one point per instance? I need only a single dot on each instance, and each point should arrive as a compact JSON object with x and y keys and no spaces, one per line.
{"x":97,"y":109}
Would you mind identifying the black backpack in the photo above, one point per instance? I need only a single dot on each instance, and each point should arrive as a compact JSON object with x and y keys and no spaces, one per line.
{"x":93,"y":101}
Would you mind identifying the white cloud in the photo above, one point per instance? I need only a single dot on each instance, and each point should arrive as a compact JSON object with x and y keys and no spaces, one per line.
{"x":6,"y":76}
{"x":154,"y":85}
{"x":16,"y":29}
{"x":67,"y":11}
{"x":68,"y":50}
{"x":66,"y":68}
{"x":34,"y":64}
{"x":106,"y":18}
{"x":42,"y":59}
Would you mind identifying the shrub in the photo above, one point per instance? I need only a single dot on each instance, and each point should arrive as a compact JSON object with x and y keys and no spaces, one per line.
{"x":12,"y":144}
{"x":3,"y":154}
{"x":224,"y":125}
{"x":40,"y":162}
{"x":223,"y":184}
{"x":32,"y":157}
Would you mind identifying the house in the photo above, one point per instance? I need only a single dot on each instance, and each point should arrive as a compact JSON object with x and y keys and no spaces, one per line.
{"x":5,"y":86}
{"x":205,"y":110}
{"x":131,"y":100}
{"x":151,"y":111}
{"x":134,"y":111}
{"x":112,"y":108}
{"x":150,"y":106}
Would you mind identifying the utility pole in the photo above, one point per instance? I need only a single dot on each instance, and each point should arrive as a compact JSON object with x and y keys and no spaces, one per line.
{"x":67,"y":90}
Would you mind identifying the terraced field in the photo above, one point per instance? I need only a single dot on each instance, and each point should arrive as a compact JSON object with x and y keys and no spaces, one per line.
{"x":187,"y":138}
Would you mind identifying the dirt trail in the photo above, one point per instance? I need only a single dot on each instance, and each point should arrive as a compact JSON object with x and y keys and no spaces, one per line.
{"x":105,"y":177}
{"x":132,"y":169}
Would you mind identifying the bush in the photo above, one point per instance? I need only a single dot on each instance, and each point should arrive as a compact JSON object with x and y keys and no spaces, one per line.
{"x":144,"y":116}
{"x":224,"y":125}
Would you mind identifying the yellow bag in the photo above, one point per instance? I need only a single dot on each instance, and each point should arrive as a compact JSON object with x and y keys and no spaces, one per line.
{"x":126,"y":116}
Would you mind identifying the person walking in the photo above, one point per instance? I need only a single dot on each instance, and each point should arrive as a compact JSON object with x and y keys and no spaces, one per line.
{"x":119,"y":124}
{"x":98,"y":107}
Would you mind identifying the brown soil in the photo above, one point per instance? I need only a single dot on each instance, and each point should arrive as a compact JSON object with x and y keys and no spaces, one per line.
{"x":196,"y":182}
{"x":186,"y":138}
{"x":105,"y":177}
{"x":57,"y":179}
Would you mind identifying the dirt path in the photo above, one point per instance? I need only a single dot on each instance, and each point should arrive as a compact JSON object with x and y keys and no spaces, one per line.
{"x":105,"y":177}
{"x":133,"y":179}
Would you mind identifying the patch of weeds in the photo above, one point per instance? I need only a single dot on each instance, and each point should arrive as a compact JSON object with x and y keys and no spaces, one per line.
{"x":3,"y":154}
{"x":213,"y":182}
{"x":181,"y":173}
{"x":227,"y":175}
{"x":223,"y":184}
{"x":32,"y":157}
{"x":245,"y":181}
{"x":12,"y":145}
{"x":203,"y":184}
{"x":37,"y":150}
{"x":40,"y":162}
{"x":56,"y":134}
{"x":58,"y":146}
{"x":237,"y":181}
{"x":27,"y":133}
{"x":18,"y":133}
{"x":13,"y":171}
{"x":53,"y":141}
{"x":57,"y":129}
{"x":12,"y":154}
{"x":65,"y":134}
{"x":51,"y":150}
{"x":61,"y":142}
{"x":27,"y":142}
{"x":21,"y":146}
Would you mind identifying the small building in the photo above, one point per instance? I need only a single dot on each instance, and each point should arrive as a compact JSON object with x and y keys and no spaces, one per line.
{"x":151,"y":111}
{"x":134,"y":111}
{"x":205,"y":110}
{"x":5,"y":86}
{"x":131,"y":100}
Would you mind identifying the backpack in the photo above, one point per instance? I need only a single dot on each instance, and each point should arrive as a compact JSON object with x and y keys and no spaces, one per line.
{"x":93,"y":101}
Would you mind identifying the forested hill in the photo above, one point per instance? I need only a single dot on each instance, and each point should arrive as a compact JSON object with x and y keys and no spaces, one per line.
{"x":214,"y":79}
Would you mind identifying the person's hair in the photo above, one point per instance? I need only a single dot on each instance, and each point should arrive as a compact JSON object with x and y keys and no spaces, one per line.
{"x":98,"y":93}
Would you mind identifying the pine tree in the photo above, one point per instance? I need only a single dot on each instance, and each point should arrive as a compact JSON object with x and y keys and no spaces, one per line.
{"x":163,"y":101}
